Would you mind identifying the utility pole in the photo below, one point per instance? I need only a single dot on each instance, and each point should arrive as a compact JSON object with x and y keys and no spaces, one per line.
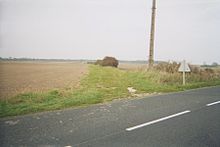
{"x":151,"y":50}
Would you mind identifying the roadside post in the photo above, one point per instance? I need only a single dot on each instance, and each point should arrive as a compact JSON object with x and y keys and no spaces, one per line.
{"x":184,"y":67}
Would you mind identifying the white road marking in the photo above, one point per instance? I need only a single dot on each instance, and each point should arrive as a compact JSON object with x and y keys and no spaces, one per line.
{"x":213,"y":103}
{"x":157,"y":120}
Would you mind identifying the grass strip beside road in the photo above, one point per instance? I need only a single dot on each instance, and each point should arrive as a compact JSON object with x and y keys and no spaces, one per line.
{"x":100,"y":85}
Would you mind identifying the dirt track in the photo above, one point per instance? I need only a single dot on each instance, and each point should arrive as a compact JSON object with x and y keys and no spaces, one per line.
{"x":20,"y":77}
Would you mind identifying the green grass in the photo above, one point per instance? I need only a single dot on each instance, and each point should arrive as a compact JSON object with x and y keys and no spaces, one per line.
{"x":100,"y":85}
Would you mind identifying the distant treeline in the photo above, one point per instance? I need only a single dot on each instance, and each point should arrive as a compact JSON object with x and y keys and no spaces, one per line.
{"x":49,"y":60}
{"x":209,"y":66}
{"x":71,"y":60}
{"x":214,"y":64}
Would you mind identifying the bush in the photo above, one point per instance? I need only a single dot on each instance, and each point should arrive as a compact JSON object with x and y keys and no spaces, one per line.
{"x":209,"y":70}
{"x":108,"y":61}
{"x":168,"y":67}
{"x":98,"y":62}
{"x":195,"y":69}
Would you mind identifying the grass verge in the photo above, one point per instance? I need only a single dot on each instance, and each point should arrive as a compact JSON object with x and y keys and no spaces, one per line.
{"x":100,"y":85}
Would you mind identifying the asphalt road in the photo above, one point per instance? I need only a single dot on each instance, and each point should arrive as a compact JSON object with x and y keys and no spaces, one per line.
{"x":190,"y":118}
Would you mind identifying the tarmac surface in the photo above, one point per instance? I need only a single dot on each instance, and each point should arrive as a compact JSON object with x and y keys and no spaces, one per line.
{"x":190,"y":118}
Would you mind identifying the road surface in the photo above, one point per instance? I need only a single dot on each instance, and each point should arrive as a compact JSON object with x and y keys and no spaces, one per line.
{"x":190,"y":118}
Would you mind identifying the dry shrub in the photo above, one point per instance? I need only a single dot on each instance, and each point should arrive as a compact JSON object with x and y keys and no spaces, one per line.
{"x":195,"y":69}
{"x":200,"y":74}
{"x":209,"y":74}
{"x":168,"y":78}
{"x":98,"y":62}
{"x":108,"y":61}
{"x":168,"y":73}
{"x":168,"y":67}
{"x":165,"y":72}
{"x":209,"y":71}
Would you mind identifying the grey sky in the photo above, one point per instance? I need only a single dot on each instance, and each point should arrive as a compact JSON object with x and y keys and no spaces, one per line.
{"x":91,"y":29}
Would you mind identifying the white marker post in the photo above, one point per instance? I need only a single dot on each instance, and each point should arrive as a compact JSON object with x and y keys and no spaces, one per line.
{"x":184,"y":67}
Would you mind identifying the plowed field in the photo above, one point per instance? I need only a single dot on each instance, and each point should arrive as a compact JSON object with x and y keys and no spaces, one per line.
{"x":21,"y":77}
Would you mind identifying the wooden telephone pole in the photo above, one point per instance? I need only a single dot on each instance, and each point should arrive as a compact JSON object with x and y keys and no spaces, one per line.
{"x":151,"y":50}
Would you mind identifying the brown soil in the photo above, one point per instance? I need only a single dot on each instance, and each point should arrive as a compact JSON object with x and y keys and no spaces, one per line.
{"x":21,"y":77}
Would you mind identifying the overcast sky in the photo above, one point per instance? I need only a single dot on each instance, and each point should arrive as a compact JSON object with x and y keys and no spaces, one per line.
{"x":91,"y":29}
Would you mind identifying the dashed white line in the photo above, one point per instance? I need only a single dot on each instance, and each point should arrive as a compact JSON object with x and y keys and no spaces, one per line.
{"x":214,"y":103}
{"x":156,"y":121}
